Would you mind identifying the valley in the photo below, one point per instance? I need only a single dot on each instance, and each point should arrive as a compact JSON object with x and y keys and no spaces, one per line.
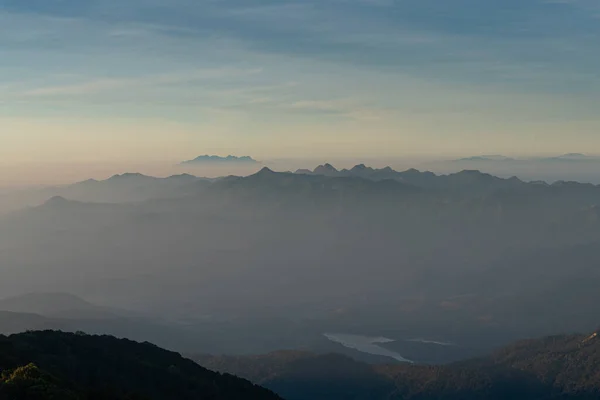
{"x":468,"y":259}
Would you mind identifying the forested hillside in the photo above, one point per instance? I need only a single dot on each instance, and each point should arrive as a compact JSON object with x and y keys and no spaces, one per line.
{"x":561,"y":367}
{"x":64,"y":366}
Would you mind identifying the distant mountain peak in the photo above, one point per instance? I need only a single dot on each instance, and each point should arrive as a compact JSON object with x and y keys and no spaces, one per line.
{"x":329,"y":167}
{"x":574,"y":157}
{"x":57,"y":201}
{"x":303,"y":171}
{"x":183,"y":177}
{"x":487,"y":157}
{"x":128,"y":175}
{"x":266,"y":171}
{"x":89,"y":181}
{"x":474,"y":175}
{"x":470,"y":172}
{"x":208,"y":159}
{"x":515,"y":179}
{"x":326,"y":169}
{"x":360,"y":167}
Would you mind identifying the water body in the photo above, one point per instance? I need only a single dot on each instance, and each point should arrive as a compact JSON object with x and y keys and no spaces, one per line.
{"x":425,"y":341}
{"x":366,"y":344}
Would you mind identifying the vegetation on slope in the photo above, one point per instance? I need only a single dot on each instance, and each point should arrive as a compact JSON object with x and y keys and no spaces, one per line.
{"x":564,"y":367}
{"x":55,"y":365}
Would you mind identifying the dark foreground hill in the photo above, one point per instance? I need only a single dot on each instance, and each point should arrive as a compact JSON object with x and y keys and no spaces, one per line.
{"x":562,"y":367}
{"x":56,"y":365}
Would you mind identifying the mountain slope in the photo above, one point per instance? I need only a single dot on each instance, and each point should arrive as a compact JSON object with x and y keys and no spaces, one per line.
{"x":300,"y":376}
{"x":168,"y":335}
{"x":570,"y":363}
{"x":42,"y":365}
{"x":62,"y":305}
{"x":562,"y":367}
{"x":123,"y":188}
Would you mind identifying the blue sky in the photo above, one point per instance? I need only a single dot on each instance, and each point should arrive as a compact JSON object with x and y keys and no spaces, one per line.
{"x":108,"y":80}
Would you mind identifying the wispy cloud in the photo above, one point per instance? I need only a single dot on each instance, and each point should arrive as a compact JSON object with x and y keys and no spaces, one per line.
{"x":342,"y":107}
{"x":104,"y":85}
{"x":430,"y":39}
{"x":445,"y":66}
{"x":325,"y":105}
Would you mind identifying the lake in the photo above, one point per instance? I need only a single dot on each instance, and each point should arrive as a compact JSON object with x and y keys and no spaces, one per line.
{"x":366,"y":344}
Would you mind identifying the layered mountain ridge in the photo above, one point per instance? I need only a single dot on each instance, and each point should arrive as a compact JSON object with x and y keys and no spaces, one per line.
{"x":476,"y":259}
{"x":559,"y":367}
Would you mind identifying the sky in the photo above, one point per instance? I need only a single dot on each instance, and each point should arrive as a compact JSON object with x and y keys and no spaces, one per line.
{"x":131,"y":82}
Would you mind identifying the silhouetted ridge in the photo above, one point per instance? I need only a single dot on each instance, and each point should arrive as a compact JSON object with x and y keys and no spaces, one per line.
{"x":474,"y":176}
{"x":303,"y":171}
{"x":326,"y":169}
{"x":53,"y":365}
{"x":89,"y":182}
{"x":129,"y":176}
{"x":412,"y":171}
{"x":182,"y":176}
{"x":58,"y":202}
{"x":474,"y":181}
{"x":360,"y":168}
{"x":265,"y":171}
{"x":183,"y":179}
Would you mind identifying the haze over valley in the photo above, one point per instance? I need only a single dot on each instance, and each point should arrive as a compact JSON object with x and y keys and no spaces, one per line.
{"x":466,"y":258}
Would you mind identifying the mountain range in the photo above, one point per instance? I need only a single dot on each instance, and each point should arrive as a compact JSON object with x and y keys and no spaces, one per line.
{"x":463,"y":180}
{"x":560,"y":367}
{"x":564,"y":157}
{"x":135,"y":187}
{"x":46,"y":365}
{"x":428,"y":180}
{"x":566,"y":167}
{"x":467,"y":258}
{"x":69,"y":313}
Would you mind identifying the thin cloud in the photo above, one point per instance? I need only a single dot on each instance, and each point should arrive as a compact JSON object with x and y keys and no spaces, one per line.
{"x":359,"y":60}
{"x":104,"y":85}
{"x":344,"y":107}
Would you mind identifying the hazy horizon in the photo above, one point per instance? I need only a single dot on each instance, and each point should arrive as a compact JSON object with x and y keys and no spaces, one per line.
{"x":23,"y":175}
{"x":141,"y":82}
